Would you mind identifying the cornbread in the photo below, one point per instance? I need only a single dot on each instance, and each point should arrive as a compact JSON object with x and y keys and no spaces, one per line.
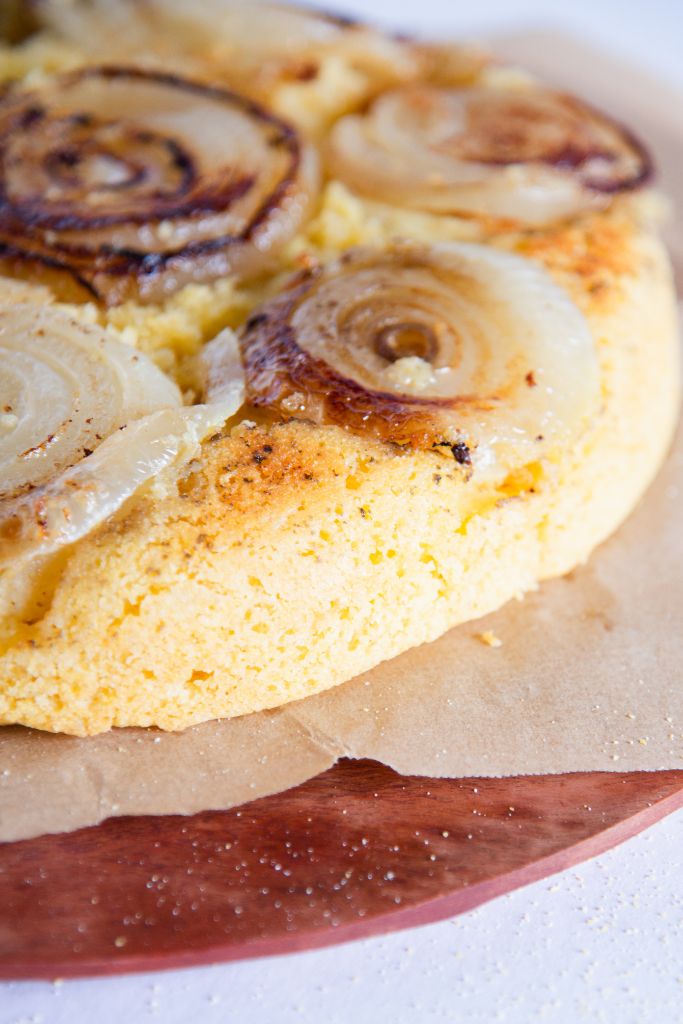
{"x":289,"y":554}
{"x":290,"y":558}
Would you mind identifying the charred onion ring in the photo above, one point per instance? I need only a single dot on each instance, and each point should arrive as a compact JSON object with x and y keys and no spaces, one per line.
{"x":453,"y":345}
{"x":527,"y":155}
{"x":135,"y":182}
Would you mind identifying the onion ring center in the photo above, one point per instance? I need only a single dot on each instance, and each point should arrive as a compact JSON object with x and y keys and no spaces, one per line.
{"x":51,"y":168}
{"x":404,"y":339}
{"x":93,"y":167}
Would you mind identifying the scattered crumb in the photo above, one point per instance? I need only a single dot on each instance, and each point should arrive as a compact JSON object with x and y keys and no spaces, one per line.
{"x":489,"y":638}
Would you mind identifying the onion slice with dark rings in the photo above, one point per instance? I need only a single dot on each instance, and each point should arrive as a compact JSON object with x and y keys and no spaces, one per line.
{"x":134,"y":183}
{"x":526,"y":155}
{"x":453,"y":345}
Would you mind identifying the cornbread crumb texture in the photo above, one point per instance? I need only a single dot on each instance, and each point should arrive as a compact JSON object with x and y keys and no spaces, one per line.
{"x":489,"y":638}
{"x":289,"y":558}
{"x":293,"y":550}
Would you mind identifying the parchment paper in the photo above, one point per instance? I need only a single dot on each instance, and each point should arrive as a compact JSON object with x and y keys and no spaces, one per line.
{"x":589,"y":676}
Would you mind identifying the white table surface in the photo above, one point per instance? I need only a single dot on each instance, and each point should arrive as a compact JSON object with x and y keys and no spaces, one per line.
{"x":601,"y":942}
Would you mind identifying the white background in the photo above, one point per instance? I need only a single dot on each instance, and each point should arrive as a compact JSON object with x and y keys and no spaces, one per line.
{"x":602,"y":942}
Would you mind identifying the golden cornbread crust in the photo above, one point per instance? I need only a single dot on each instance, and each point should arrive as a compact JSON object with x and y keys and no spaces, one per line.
{"x":288,"y":558}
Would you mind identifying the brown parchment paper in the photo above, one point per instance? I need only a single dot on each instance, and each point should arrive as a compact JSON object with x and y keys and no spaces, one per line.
{"x":589,"y":675}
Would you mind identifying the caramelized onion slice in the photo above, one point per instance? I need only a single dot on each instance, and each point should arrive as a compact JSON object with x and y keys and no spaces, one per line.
{"x":221,"y":371}
{"x":84,"y":422}
{"x":241,"y":36}
{"x":452,"y":345}
{"x":72,"y":505}
{"x":64,"y":387}
{"x":137,"y":182}
{"x":260,"y":30}
{"x":528,"y":155}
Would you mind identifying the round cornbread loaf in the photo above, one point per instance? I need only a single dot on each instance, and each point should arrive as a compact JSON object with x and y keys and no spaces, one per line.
{"x":290,"y":557}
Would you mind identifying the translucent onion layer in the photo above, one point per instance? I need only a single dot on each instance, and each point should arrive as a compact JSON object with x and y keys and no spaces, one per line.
{"x":451,"y":345}
{"x":84,"y":422}
{"x":526,"y":155}
{"x":250,"y":42}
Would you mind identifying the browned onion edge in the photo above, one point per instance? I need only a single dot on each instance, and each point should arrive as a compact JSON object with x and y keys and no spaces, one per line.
{"x":571,"y":159}
{"x":119,"y":261}
{"x":8,"y":251}
{"x":276,"y":367}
